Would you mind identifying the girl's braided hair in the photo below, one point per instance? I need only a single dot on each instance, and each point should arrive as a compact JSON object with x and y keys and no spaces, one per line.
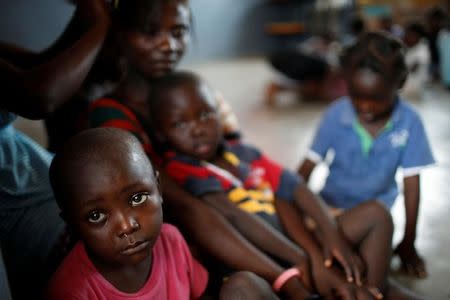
{"x":379,"y":52}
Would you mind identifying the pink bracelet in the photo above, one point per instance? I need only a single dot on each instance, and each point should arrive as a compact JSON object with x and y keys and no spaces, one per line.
{"x":284,"y":277}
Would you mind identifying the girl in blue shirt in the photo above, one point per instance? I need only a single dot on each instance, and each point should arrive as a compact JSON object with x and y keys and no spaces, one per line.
{"x":373,"y":133}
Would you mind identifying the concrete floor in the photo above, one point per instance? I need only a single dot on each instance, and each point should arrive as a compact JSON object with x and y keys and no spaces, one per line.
{"x":284,"y":132}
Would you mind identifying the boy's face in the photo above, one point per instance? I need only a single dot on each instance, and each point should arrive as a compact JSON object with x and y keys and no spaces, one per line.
{"x":372,"y":97}
{"x":115,"y":207}
{"x":189,"y":122}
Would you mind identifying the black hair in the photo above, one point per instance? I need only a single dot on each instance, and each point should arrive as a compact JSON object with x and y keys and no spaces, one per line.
{"x":417,"y":28}
{"x":357,"y":25}
{"x":88,"y":147}
{"x":379,"y":52}
{"x":139,"y":14}
{"x":437,"y":13}
{"x":160,"y":86}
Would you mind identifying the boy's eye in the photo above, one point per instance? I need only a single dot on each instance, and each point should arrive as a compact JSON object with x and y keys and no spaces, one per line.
{"x":96,"y":217}
{"x":139,"y":199}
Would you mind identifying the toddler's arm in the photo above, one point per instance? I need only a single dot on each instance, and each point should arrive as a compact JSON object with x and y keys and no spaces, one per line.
{"x":257,"y":231}
{"x":306,"y":169}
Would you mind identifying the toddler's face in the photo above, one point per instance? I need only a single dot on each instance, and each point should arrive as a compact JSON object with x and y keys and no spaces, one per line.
{"x":189,"y":121}
{"x":115,"y":207}
{"x":157,"y":50}
{"x":372,"y":97}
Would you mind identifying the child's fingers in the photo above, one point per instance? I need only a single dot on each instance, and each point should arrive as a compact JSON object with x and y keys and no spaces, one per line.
{"x":376,"y":293}
{"x":328,"y":258}
{"x":348,"y":269}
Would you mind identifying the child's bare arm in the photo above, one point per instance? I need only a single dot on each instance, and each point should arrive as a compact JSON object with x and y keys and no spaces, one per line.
{"x":306,"y":169}
{"x":37,"y":87}
{"x":412,"y":262}
{"x":325,"y":279}
{"x":256,"y":230}
{"x":213,"y":232}
{"x":218,"y":237}
{"x":334,"y":245}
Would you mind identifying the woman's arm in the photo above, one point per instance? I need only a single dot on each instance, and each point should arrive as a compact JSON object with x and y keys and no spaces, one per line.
{"x":334,"y":245}
{"x":40,"y":83}
{"x":257,"y":231}
{"x":214,"y":234}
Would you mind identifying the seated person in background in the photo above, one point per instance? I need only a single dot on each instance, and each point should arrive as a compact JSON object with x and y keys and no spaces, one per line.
{"x":417,"y":58}
{"x":357,"y":27}
{"x":188,"y":134}
{"x":372,"y":133}
{"x":310,"y":70}
{"x":436,"y":19}
{"x":386,"y":23}
{"x":108,"y":192}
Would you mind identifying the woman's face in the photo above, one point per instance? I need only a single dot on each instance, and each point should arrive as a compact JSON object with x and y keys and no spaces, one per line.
{"x":156,"y":51}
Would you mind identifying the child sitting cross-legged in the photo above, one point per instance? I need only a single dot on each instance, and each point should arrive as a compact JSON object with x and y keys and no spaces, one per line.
{"x":188,"y":134}
{"x":108,"y":192}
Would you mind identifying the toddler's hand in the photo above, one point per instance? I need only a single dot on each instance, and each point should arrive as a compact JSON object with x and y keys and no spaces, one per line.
{"x":337,"y":248}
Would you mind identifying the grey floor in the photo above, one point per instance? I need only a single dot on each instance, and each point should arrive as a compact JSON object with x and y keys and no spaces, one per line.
{"x":285,"y":131}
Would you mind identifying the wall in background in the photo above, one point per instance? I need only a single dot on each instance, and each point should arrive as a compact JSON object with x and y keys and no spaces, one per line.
{"x":33,"y":24}
{"x":223,"y":28}
{"x":228,"y":28}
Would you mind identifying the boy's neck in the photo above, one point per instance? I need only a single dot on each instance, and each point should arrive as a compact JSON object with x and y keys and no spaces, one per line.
{"x":127,"y":279}
{"x":376,"y":127}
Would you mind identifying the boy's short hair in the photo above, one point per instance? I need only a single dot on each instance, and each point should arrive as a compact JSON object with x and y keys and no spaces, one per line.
{"x":380,"y":52}
{"x":90,"y":146}
{"x":162,"y":85}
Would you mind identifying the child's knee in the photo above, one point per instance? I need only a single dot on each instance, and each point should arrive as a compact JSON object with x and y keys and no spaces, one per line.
{"x":380,"y":214}
{"x":246,"y":285}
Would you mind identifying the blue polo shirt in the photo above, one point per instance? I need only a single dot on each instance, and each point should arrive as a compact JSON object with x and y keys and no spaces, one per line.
{"x":364,"y":168}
